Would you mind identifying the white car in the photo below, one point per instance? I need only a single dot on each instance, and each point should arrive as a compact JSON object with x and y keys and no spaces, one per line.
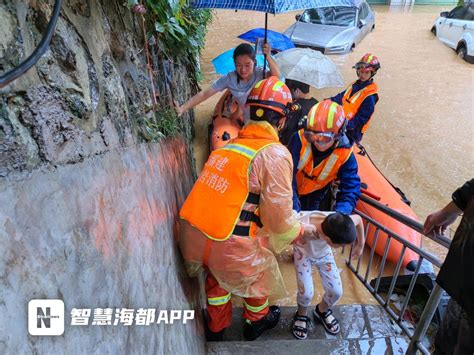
{"x":456,"y":29}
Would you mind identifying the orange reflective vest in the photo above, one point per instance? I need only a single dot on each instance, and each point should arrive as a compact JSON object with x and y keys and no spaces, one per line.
{"x":215,"y":203}
{"x":310,"y":178}
{"x":352,"y":103}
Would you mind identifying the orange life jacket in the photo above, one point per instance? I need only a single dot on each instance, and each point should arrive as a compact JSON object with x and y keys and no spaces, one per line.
{"x":215,"y":203}
{"x":352,"y":103}
{"x":310,"y":178}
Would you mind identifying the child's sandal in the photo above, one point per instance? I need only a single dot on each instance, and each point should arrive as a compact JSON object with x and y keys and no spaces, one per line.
{"x":330,"y":323}
{"x":300,"y":331}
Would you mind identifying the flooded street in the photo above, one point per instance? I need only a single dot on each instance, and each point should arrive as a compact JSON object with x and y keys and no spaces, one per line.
{"x":422,"y":133}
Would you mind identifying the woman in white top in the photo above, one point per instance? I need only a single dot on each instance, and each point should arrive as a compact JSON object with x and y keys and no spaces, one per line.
{"x":239,"y":82}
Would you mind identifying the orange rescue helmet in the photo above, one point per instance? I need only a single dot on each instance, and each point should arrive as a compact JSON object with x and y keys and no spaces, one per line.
{"x":272,"y":94}
{"x":326,"y":117}
{"x":368,"y":62}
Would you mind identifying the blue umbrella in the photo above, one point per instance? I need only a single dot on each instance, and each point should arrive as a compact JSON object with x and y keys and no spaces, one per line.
{"x":224,"y":63}
{"x":276,"y":40}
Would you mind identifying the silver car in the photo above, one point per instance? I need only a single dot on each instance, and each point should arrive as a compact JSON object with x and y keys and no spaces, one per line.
{"x":334,"y":29}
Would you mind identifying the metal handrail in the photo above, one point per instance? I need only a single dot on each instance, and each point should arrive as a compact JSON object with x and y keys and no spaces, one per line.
{"x":425,"y":319}
{"x":415,"y":225}
{"x":425,"y":254}
{"x":436,"y":293}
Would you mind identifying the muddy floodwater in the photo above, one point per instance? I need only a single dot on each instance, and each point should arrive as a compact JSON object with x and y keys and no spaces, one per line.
{"x":422,"y":134}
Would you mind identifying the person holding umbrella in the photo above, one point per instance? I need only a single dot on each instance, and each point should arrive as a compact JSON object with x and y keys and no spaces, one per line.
{"x":240,"y":81}
{"x":272,"y":7}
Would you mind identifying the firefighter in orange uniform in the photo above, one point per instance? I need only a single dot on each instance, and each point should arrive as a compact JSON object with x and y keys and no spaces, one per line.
{"x":360,"y":98}
{"x":321,"y":154}
{"x":242,"y":197}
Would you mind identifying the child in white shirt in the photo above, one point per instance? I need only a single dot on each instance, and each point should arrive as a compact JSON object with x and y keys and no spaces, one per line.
{"x":334,"y":230}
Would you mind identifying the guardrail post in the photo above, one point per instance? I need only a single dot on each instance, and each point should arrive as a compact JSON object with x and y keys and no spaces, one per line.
{"x":435,"y":295}
{"x":425,"y":319}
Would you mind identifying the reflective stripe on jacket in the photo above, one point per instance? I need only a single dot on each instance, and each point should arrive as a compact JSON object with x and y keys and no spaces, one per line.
{"x":216,"y":201}
{"x":310,"y":178}
{"x":351,"y":104}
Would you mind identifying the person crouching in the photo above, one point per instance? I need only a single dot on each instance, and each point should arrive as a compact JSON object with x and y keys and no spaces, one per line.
{"x":242,"y":196}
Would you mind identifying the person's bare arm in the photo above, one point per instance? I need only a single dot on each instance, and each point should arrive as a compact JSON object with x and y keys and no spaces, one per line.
{"x":360,"y":236}
{"x":273,"y":66}
{"x":440,"y":220}
{"x":195,"y":100}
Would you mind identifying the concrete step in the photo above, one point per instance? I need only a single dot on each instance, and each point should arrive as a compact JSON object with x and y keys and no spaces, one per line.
{"x":356,"y":321}
{"x":364,"y":329}
{"x":394,"y":345}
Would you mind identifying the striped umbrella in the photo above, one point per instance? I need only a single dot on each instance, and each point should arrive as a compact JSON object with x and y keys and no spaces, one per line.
{"x":267,"y":6}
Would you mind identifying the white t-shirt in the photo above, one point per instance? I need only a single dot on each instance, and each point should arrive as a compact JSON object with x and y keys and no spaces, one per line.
{"x":313,"y":248}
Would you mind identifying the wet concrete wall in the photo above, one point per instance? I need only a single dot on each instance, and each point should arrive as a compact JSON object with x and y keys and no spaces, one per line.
{"x":87,"y":210}
{"x":99,"y":234}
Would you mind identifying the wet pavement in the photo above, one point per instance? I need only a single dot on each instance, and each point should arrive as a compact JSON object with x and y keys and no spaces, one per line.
{"x":357,"y":322}
{"x":365,"y":329}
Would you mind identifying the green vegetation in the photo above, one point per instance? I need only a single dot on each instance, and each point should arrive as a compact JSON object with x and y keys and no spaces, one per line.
{"x":164,"y":123}
{"x":179,"y":31}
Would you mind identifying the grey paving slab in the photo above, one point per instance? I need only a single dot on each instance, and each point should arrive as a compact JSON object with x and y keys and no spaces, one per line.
{"x":357,"y":322}
{"x":386,"y":345}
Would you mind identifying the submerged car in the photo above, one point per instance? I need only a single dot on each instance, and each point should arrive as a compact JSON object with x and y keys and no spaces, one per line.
{"x":456,"y":29}
{"x":333,"y":29}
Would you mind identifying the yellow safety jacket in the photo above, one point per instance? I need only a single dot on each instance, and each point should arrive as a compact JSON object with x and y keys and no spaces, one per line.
{"x":310,"y":178}
{"x":215,"y":203}
{"x":351,"y":104}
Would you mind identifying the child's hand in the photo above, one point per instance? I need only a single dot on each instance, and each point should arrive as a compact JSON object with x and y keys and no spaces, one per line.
{"x":357,"y":252}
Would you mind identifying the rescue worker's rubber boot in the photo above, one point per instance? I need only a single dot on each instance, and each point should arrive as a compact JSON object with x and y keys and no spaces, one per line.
{"x":215,"y":336}
{"x":252,"y":330}
{"x":210,"y":335}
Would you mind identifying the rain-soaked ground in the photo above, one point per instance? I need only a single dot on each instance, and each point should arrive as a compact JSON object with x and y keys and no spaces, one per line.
{"x":422,"y":135}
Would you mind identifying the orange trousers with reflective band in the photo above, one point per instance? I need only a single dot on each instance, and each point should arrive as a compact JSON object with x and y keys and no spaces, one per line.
{"x":219,"y":306}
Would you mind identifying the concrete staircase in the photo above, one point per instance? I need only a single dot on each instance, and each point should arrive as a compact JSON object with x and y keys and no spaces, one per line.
{"x":365,"y":329}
